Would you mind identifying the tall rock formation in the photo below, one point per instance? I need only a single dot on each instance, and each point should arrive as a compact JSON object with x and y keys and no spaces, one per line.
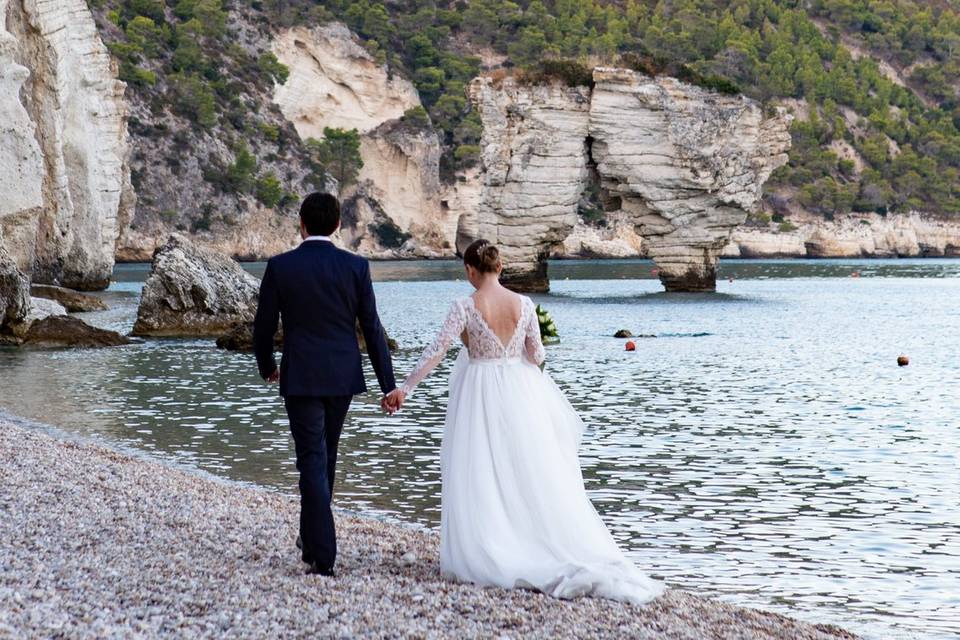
{"x":684,"y":164}
{"x":65,"y":187}
{"x":534,"y":161}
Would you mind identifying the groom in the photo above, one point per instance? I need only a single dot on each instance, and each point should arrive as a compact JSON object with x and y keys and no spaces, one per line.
{"x":320,"y":292}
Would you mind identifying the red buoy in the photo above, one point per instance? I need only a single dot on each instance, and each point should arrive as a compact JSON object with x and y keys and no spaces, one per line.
{"x":631,"y":345}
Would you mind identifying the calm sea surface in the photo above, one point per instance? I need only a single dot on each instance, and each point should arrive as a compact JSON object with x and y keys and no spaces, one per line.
{"x":763,"y":447}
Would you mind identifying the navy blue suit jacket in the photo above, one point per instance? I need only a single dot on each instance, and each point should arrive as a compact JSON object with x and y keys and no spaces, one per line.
{"x":320,"y":291}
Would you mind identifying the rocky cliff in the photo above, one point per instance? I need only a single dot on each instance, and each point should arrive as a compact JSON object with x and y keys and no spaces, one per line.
{"x":865,"y":235}
{"x":335,"y":82}
{"x":65,"y":186}
{"x":398,"y":206}
{"x":681,"y":163}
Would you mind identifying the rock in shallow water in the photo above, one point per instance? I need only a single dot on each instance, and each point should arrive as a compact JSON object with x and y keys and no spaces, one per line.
{"x":67,"y":331}
{"x":40,"y":309}
{"x":73,"y":301}
{"x":195,"y":292}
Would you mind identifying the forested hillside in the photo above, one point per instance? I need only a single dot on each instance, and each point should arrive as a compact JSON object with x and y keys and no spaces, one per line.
{"x":874,"y":83}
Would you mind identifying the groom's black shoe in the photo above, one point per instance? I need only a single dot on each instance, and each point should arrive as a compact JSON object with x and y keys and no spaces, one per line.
{"x":303,"y":554}
{"x":316,"y":569}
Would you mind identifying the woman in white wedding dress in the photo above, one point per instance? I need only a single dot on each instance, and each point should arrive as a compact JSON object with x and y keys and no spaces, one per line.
{"x":514,"y":509}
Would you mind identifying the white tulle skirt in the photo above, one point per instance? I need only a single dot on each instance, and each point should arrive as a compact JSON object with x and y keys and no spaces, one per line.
{"x":515,"y":512}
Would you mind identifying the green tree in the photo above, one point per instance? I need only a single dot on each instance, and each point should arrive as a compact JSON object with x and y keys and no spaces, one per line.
{"x":240,"y":174}
{"x":272,"y":67}
{"x":212,"y":16}
{"x":376,"y":23}
{"x":153,"y":9}
{"x":269,"y":190}
{"x":530,"y":46}
{"x":339,"y":152}
{"x":188,"y":55}
{"x":429,"y":82}
{"x":144,"y":33}
{"x":195,"y":99}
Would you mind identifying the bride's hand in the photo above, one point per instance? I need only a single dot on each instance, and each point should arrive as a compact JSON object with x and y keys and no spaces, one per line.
{"x":393,"y":401}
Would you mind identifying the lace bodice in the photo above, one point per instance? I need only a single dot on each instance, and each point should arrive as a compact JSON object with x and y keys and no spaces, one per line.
{"x":483,"y":343}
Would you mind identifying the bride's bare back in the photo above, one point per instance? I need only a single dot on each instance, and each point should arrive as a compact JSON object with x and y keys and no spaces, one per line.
{"x":500,"y":309}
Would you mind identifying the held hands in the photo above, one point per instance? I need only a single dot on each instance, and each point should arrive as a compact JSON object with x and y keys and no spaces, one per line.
{"x":275,"y":376}
{"x":393,"y":401}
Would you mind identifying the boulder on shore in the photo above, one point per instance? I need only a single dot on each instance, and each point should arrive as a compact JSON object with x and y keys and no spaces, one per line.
{"x":73,"y":301}
{"x":194,"y":292}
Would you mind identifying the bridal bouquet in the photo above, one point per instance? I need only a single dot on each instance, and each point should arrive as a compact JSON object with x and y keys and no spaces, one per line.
{"x":548,"y":330}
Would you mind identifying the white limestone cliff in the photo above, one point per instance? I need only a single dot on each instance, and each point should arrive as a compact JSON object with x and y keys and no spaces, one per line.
{"x":861,"y":235}
{"x":397,"y":206}
{"x":65,"y":190}
{"x":335,"y":82}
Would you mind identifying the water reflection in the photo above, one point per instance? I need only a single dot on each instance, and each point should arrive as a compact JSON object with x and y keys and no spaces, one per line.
{"x":763,"y":446}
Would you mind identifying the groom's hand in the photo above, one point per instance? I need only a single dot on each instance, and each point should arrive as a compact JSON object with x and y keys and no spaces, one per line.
{"x":386,"y":406}
{"x":393,"y":401}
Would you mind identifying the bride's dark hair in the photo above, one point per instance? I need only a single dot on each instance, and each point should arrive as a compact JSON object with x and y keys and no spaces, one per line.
{"x":483,"y":256}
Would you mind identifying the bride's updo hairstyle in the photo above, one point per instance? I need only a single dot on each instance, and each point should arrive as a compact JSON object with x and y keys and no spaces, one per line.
{"x":483,"y":256}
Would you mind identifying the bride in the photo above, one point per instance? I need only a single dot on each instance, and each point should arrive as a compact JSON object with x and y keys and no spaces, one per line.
{"x":514,"y":510}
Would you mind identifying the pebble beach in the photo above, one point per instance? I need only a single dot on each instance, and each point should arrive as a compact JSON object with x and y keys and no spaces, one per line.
{"x":97,"y":542}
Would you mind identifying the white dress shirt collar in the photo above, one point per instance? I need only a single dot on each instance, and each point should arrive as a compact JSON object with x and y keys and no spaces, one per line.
{"x":311,"y":238}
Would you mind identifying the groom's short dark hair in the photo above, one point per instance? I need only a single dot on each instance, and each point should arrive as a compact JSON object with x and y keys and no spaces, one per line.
{"x":320,"y":213}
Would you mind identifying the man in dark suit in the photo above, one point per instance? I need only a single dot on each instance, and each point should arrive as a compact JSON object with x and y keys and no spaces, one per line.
{"x":320,"y":292}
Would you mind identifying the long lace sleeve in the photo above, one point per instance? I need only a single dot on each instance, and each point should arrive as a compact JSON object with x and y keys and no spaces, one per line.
{"x":532,"y":343}
{"x":452,"y":328}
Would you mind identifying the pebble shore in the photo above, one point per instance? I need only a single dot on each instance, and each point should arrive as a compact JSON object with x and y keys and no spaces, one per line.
{"x":99,"y":543}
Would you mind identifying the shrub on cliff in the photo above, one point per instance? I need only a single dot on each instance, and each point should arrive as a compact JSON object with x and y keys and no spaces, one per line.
{"x":570,"y":72}
{"x":707,"y":81}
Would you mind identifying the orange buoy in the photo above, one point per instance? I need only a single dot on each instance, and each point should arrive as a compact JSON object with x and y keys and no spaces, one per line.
{"x":855,"y":274}
{"x":654,"y":271}
{"x":903,"y":360}
{"x":631,"y":345}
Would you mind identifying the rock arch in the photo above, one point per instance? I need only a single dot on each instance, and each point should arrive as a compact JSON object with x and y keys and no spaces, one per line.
{"x":686,"y":164}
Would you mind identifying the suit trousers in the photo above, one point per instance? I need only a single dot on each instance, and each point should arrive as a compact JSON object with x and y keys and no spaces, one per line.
{"x":316,"y":423}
